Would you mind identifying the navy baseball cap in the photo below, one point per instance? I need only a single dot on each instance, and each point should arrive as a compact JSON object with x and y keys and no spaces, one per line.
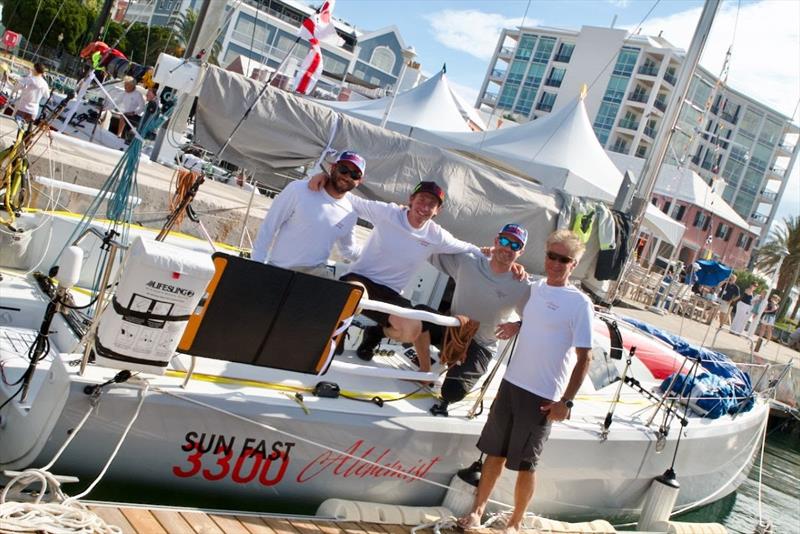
{"x":515,"y":231}
{"x":430,"y":187}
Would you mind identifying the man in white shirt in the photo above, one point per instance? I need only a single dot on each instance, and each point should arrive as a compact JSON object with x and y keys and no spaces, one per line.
{"x":402,"y":239}
{"x":131,"y":105}
{"x":546,"y":370}
{"x":32,"y":89}
{"x":302,"y":225}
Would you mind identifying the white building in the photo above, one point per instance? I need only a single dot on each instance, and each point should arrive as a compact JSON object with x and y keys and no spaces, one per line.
{"x":535,"y":70}
{"x":265,"y":30}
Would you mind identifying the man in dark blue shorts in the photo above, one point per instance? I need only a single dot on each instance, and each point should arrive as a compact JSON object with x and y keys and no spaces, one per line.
{"x":546,"y":370}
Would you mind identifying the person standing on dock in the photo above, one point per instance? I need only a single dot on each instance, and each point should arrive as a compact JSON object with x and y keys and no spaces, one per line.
{"x":302,"y":225}
{"x":486,"y":291}
{"x":728,"y":294}
{"x":546,"y":370}
{"x":32,"y":89}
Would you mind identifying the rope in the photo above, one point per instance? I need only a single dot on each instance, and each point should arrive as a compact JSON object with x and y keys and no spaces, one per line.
{"x":457,"y":339}
{"x":183,"y":184}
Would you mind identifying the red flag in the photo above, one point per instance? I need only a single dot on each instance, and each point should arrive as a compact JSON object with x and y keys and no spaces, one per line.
{"x":314,"y":28}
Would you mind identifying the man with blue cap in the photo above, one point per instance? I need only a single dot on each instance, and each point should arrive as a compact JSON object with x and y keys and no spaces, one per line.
{"x":302,"y":225}
{"x":488,"y":291}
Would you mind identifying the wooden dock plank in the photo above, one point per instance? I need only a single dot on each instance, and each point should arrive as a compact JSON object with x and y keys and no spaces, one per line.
{"x":327,"y":527}
{"x":351,"y":528}
{"x":229,"y":524}
{"x":374,"y":528}
{"x":309,"y":527}
{"x":280,"y":526}
{"x":143,"y":521}
{"x":113,"y":516}
{"x":254,"y":524}
{"x":201,"y":523}
{"x":173,"y":522}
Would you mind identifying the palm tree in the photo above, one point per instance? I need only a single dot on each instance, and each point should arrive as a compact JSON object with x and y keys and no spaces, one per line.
{"x":184,"y":26}
{"x":784,"y":241}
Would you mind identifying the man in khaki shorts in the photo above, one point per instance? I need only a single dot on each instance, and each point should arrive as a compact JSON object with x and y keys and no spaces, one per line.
{"x":546,"y":370}
{"x":302,"y":225}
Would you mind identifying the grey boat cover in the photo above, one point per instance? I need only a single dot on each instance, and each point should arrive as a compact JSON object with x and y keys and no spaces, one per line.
{"x":284,"y":131}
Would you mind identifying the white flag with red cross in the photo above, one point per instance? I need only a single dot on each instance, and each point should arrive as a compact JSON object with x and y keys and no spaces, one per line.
{"x":315,"y":28}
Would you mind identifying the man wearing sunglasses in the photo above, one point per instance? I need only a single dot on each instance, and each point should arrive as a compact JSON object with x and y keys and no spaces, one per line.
{"x":546,"y":370}
{"x":488,"y":291}
{"x":302,"y":225}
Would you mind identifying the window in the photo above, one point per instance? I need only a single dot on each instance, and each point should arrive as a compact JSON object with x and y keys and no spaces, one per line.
{"x":679,"y":212}
{"x":724,"y":231}
{"x":564,"y":53}
{"x":665,"y":207}
{"x":516,"y":72}
{"x":615,"y":91}
{"x":546,"y":101}
{"x":605,"y":120}
{"x":654,"y":201}
{"x":770,"y":132}
{"x":544,"y":50}
{"x":751,"y":121}
{"x":507,"y":95}
{"x":525,"y":48}
{"x":525,"y":101}
{"x":383,"y":58}
{"x":700,"y":219}
{"x":749,"y":242}
{"x":535,"y":75}
{"x":626,"y":61}
{"x":556,"y":77}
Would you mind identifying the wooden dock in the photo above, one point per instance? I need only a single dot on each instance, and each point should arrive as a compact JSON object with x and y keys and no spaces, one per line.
{"x":136,"y":520}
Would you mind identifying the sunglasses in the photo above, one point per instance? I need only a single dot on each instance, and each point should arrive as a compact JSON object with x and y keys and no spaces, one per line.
{"x":355,"y":174}
{"x":506,"y":242}
{"x":554,"y":256}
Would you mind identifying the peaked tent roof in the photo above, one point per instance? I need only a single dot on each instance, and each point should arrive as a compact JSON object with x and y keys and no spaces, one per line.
{"x":431,"y":106}
{"x":561,"y":151}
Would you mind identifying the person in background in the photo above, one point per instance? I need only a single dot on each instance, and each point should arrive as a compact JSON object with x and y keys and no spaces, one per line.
{"x":546,"y":370}
{"x":32,"y":89}
{"x":768,"y":319}
{"x":758,"y":304}
{"x":131,"y":104}
{"x":728,"y":292}
{"x":743,"y":307}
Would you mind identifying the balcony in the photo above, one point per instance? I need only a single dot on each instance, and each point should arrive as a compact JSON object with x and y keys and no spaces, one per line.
{"x":649,"y":70}
{"x":670,"y":78}
{"x":551,"y":82}
{"x":562,"y":58}
{"x":639,"y":97}
{"x":650,"y":132}
{"x":758,"y":219}
{"x":506,"y":51}
{"x":544,"y":106}
{"x":728,"y":117}
{"x":628,"y":124}
{"x":779,"y":171}
{"x":769,"y":196}
{"x":619,"y":147}
{"x":497,"y":74}
{"x":785,"y":148}
{"x":660,"y":104}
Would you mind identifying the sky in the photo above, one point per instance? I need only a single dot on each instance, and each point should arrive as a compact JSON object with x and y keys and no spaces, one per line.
{"x":764,"y":36}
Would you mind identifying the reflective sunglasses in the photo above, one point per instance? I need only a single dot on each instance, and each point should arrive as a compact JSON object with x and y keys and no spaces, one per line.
{"x":506,"y":242}
{"x":554,"y":256}
{"x":355,"y":174}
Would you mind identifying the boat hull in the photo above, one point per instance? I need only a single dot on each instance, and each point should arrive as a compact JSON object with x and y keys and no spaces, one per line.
{"x":180,"y":453}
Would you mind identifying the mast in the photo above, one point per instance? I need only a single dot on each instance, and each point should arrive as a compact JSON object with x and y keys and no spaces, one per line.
{"x":652,"y":165}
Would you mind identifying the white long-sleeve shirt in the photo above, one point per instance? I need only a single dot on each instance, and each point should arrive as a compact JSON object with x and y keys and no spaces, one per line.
{"x":32,"y":89}
{"x":302,"y":226}
{"x":395,"y":249}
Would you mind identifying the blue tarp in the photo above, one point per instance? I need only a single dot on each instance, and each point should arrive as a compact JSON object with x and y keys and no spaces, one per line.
{"x":711,"y":273}
{"x":717,"y":364}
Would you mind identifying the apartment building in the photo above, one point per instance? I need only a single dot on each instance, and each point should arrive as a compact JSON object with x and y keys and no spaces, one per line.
{"x":265,"y":31}
{"x":535,"y":70}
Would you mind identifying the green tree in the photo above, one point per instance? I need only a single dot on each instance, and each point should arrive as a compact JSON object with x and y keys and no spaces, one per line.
{"x":784,"y":241}
{"x":184,"y":26}
{"x":114,"y":35}
{"x":158,"y":39}
{"x":68,"y":17}
{"x":745,"y":279}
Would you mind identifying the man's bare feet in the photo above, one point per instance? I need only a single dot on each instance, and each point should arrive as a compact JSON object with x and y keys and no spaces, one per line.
{"x":470,"y":521}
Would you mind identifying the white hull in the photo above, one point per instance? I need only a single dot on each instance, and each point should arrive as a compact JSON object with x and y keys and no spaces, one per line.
{"x":580,"y":475}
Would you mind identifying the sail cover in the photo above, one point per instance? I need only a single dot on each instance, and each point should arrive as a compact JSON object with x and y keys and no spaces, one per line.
{"x":285,"y":131}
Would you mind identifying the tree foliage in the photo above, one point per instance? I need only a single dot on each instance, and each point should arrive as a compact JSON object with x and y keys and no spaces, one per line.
{"x":68,"y":17}
{"x":160,"y":39}
{"x":784,"y":241}
{"x":184,"y":27}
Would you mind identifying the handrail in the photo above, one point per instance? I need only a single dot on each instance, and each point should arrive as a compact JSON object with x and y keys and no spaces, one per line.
{"x":407,"y":313}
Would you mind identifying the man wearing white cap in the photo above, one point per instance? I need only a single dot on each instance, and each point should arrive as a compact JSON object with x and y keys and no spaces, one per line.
{"x":302,"y":225}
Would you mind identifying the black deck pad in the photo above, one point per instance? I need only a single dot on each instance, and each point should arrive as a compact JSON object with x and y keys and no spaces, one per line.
{"x":268,"y":316}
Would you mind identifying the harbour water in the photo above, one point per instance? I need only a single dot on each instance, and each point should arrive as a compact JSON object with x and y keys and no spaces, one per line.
{"x":780,"y":491}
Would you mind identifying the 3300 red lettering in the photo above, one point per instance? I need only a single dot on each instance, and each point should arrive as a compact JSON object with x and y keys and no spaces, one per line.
{"x":253,"y":460}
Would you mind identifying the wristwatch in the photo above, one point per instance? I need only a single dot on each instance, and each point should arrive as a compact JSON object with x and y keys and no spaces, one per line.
{"x":568,"y":403}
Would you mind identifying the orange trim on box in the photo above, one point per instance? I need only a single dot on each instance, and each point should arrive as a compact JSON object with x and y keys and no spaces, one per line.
{"x":347,"y":310}
{"x":193,"y":326}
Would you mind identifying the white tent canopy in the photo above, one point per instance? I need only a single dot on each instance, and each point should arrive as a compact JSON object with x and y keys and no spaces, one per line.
{"x":561,"y":151}
{"x":432,"y":105}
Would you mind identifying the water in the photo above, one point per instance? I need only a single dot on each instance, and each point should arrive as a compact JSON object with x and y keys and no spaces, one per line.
{"x":780,"y":491}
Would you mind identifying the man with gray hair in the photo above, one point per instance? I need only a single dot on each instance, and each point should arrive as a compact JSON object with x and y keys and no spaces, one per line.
{"x":546,"y":370}
{"x":131,"y":105}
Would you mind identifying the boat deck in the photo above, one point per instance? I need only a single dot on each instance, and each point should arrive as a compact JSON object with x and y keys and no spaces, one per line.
{"x":135,"y":520}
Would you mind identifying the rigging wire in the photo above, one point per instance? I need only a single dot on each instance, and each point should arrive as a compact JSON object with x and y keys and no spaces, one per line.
{"x":30,"y":31}
{"x":41,"y":42}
